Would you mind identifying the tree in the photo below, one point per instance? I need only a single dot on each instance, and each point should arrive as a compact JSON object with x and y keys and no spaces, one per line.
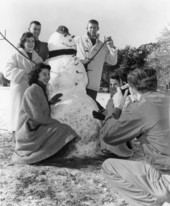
{"x":159,"y":59}
{"x":129,"y":58}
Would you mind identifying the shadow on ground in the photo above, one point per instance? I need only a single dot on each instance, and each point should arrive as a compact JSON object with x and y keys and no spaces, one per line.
{"x":75,"y":162}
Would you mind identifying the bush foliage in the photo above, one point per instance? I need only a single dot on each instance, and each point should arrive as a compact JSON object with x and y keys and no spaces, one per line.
{"x":129,"y":58}
{"x":153,"y":55}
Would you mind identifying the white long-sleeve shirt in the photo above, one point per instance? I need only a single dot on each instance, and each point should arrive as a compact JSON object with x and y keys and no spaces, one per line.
{"x":85,"y":49}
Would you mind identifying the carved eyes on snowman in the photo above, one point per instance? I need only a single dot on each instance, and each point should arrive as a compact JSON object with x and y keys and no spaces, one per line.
{"x":65,"y":35}
{"x":68,"y":45}
{"x":78,"y":72}
{"x":70,"y":40}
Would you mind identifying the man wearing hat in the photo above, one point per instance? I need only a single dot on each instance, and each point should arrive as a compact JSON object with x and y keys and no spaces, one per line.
{"x":87,"y":47}
{"x":40,"y":47}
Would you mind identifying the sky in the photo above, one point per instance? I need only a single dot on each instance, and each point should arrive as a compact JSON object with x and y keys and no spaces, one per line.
{"x":129,"y":22}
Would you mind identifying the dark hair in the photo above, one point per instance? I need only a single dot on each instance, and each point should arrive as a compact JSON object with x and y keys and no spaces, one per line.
{"x":33,"y":76}
{"x":34,"y":22}
{"x":93,"y":21}
{"x":24,"y":38}
{"x":116,"y":76}
{"x":122,"y":74}
{"x":143,"y":80}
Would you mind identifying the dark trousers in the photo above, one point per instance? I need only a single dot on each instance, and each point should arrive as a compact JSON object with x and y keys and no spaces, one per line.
{"x":92,"y":93}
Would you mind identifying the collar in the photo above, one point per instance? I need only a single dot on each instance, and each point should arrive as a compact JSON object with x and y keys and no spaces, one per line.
{"x":43,"y":87}
{"x":87,"y":39}
{"x":96,"y":37}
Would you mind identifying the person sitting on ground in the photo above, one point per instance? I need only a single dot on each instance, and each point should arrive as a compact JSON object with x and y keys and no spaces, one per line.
{"x":38,"y":136}
{"x":117,"y":79}
{"x":106,"y":149}
{"x":148,"y":119}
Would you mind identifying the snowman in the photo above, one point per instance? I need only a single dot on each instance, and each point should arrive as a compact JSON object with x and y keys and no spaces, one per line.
{"x":68,"y":76}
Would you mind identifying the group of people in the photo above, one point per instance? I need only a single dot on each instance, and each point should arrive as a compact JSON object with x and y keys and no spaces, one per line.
{"x":145,"y":116}
{"x":147,"y":119}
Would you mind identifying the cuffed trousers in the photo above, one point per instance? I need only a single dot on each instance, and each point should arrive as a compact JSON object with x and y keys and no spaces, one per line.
{"x":137,"y":182}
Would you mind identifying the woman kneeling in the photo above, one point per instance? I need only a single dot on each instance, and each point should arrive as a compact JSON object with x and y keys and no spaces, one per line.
{"x":38,"y":136}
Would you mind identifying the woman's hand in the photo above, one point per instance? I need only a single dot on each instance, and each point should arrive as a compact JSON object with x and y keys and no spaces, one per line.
{"x":55,"y":98}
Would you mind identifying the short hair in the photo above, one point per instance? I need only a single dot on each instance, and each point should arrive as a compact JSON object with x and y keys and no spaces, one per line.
{"x":34,"y":74}
{"x":24,"y":38}
{"x":116,"y":76}
{"x":122,"y":74}
{"x":34,"y":22}
{"x":93,"y":21}
{"x":143,"y":80}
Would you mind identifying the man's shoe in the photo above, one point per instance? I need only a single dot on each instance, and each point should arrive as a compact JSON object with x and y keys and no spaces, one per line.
{"x":107,"y":154}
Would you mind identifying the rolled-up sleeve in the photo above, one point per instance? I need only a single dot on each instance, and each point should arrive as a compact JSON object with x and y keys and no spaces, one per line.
{"x":111,"y":56}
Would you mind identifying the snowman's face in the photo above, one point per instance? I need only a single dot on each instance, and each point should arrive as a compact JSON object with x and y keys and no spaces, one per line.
{"x":67,"y":73}
{"x":59,"y":41}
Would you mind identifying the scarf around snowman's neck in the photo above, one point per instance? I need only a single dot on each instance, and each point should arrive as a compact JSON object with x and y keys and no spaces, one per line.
{"x":60,"y":52}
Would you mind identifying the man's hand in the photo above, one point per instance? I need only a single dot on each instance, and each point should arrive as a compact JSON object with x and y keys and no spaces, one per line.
{"x":98,"y":115}
{"x":113,"y":91}
{"x":109,"y":42}
{"x":25,"y":77}
{"x":128,"y":101}
{"x":55,"y":98}
{"x":85,"y":61}
{"x":119,"y":98}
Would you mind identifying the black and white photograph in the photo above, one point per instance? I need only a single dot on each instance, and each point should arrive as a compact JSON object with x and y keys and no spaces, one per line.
{"x":85,"y":103}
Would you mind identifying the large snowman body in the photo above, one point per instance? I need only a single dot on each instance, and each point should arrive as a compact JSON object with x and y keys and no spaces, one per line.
{"x":69,"y":77}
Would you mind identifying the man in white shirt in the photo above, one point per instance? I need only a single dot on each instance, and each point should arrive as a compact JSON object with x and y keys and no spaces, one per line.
{"x":87,"y":47}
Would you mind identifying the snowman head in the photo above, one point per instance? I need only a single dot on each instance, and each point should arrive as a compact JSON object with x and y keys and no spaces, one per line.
{"x":61,"y":40}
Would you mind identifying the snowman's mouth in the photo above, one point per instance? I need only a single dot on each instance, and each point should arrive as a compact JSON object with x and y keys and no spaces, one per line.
{"x":60,"y":52}
{"x":68,"y":45}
